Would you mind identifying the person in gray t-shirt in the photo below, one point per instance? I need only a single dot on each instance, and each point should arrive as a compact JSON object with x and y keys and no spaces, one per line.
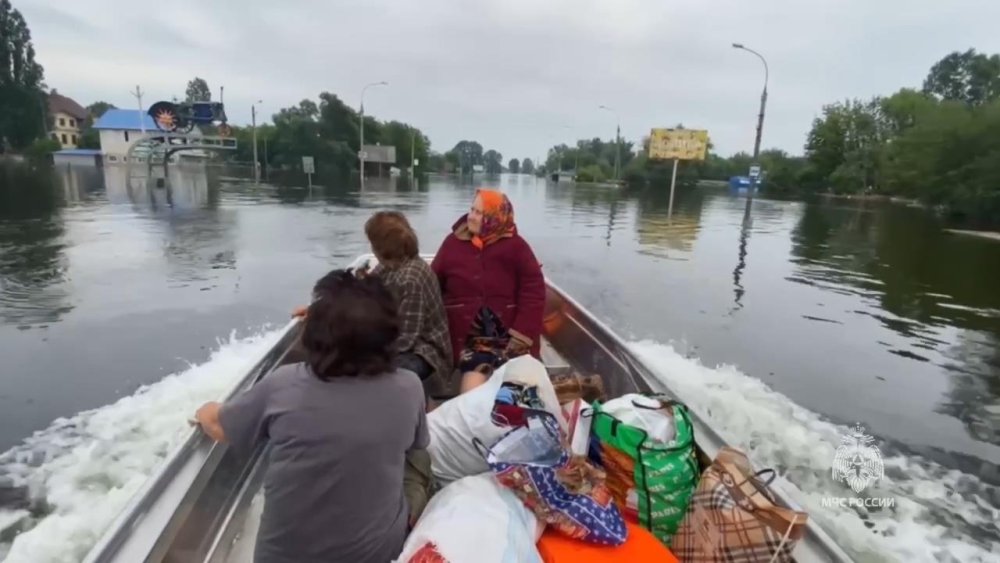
{"x":339,"y":427}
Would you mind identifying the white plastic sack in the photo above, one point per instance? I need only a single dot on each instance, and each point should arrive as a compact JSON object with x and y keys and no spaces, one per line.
{"x":474,"y":520}
{"x":658,"y":424}
{"x":455,"y":423}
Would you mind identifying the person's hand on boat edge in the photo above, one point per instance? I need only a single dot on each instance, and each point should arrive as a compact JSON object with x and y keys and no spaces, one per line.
{"x":207,"y":419}
{"x":300,"y":312}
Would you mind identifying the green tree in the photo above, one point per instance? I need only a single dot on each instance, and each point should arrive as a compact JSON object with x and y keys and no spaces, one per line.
{"x":493,"y":162}
{"x":783,"y":173}
{"x":453,"y":161}
{"x":843,"y":148}
{"x":436,"y":162}
{"x":89,"y":138}
{"x":466,"y":154}
{"x":339,"y":121}
{"x":590,"y":152}
{"x":198,"y":91}
{"x":903,"y":109}
{"x":514,"y":166}
{"x":23,"y":111}
{"x":527,"y":166}
{"x":970,"y":77}
{"x":328,"y":131}
{"x":403,"y":136}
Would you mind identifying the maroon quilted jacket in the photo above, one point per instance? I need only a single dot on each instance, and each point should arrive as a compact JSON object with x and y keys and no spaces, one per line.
{"x":505,"y":276}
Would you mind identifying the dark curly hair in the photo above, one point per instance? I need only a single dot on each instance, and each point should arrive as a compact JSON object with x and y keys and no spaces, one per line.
{"x":351,"y":327}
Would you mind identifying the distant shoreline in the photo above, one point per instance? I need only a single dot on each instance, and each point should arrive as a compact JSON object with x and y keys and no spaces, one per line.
{"x":986,"y":234}
{"x":874,"y":197}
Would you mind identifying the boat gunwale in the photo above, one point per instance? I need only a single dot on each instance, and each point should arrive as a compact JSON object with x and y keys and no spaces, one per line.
{"x":710,"y":447}
{"x":196,"y":448}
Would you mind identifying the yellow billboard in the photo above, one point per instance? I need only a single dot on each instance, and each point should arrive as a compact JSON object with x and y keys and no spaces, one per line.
{"x":679,"y":144}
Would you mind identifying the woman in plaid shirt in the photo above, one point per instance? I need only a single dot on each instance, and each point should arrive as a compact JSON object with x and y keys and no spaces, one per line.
{"x":424,"y":345}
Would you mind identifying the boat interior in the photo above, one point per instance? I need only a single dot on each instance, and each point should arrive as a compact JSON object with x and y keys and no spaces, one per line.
{"x":205,"y":502}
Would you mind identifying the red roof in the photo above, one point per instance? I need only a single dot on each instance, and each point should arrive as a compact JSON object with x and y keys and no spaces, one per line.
{"x":60,"y":103}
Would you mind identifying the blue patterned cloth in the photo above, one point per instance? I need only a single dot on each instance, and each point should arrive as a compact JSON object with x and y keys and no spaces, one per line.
{"x":566,"y":493}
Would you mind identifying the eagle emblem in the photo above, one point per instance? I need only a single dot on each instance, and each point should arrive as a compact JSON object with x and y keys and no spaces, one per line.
{"x":858,"y":462}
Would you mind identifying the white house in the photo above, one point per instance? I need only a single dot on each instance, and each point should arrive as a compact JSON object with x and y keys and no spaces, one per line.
{"x":119,"y":129}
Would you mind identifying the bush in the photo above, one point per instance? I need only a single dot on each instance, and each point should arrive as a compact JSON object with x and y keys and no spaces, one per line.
{"x":592,"y":173}
{"x":41,"y":150}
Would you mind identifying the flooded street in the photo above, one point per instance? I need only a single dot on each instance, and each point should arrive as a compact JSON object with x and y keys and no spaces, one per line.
{"x":847,"y":312}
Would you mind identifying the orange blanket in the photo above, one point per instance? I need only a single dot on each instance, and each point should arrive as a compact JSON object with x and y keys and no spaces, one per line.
{"x":640,"y":547}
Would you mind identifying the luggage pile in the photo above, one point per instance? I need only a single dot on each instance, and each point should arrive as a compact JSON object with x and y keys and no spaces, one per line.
{"x":532,"y":471}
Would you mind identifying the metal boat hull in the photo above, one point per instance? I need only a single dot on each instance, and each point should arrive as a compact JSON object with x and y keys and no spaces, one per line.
{"x":200,"y":506}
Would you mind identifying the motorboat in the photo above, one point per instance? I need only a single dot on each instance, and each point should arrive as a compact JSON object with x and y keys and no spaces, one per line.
{"x":204,"y":503}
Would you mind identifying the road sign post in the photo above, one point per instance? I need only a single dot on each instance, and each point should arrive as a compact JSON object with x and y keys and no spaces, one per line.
{"x":677,"y":144}
{"x":309,"y":167}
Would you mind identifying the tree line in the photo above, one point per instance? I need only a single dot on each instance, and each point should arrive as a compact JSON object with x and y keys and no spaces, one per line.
{"x":938,"y":145}
{"x":466,"y":155}
{"x":330,"y":131}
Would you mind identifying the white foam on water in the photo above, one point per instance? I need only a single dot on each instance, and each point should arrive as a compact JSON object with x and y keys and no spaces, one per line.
{"x":92,"y":463}
{"x":936,"y":509}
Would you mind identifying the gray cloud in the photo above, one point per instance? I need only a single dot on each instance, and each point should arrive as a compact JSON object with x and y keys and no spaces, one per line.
{"x":517,"y":75}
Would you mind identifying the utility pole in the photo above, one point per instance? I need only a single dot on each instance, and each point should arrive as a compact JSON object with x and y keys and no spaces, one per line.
{"x":253,"y":125}
{"x":361,"y":117}
{"x":618,"y":134}
{"x":413,"y":141}
{"x":138,"y":96}
{"x":267,"y":167}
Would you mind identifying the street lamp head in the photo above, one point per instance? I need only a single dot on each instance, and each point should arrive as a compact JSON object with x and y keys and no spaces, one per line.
{"x":738,"y":46}
{"x":383,"y":83}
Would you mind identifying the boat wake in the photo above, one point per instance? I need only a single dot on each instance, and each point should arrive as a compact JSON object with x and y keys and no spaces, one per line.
{"x":62,"y":487}
{"x":939,"y":514}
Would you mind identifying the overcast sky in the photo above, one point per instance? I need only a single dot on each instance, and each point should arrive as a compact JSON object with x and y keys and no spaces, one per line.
{"x":515,"y":75}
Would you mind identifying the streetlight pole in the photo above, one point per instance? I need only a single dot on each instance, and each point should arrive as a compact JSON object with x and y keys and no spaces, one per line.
{"x":618,"y":145}
{"x":253,"y":125}
{"x":361,"y":117}
{"x":760,"y":123}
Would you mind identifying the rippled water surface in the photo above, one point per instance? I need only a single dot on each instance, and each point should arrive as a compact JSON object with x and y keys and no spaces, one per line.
{"x":853,"y":313}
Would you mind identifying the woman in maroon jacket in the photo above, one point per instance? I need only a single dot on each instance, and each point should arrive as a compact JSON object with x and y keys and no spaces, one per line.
{"x":493,"y":288}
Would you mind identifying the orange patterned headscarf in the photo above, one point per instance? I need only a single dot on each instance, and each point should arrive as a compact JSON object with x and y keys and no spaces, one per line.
{"x":498,"y":218}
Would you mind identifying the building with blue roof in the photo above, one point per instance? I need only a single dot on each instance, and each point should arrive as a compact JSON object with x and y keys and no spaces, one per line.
{"x":119,"y":129}
{"x":125,"y":120}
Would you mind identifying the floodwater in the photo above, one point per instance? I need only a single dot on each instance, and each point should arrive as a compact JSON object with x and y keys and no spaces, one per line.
{"x":784,"y":331}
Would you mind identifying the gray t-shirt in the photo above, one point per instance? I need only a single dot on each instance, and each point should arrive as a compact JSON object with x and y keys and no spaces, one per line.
{"x":333,"y":490}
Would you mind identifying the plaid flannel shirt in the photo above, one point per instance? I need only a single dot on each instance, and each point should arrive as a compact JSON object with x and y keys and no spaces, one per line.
{"x":423,"y":324}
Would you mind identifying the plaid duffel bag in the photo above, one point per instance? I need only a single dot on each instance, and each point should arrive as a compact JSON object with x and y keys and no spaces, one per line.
{"x":733,"y":517}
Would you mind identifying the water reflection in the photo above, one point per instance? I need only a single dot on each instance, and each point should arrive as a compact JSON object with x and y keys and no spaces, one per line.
{"x":661,"y":231}
{"x":184,"y":186}
{"x":741,"y":264}
{"x":925,"y":286}
{"x":32,"y":259}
